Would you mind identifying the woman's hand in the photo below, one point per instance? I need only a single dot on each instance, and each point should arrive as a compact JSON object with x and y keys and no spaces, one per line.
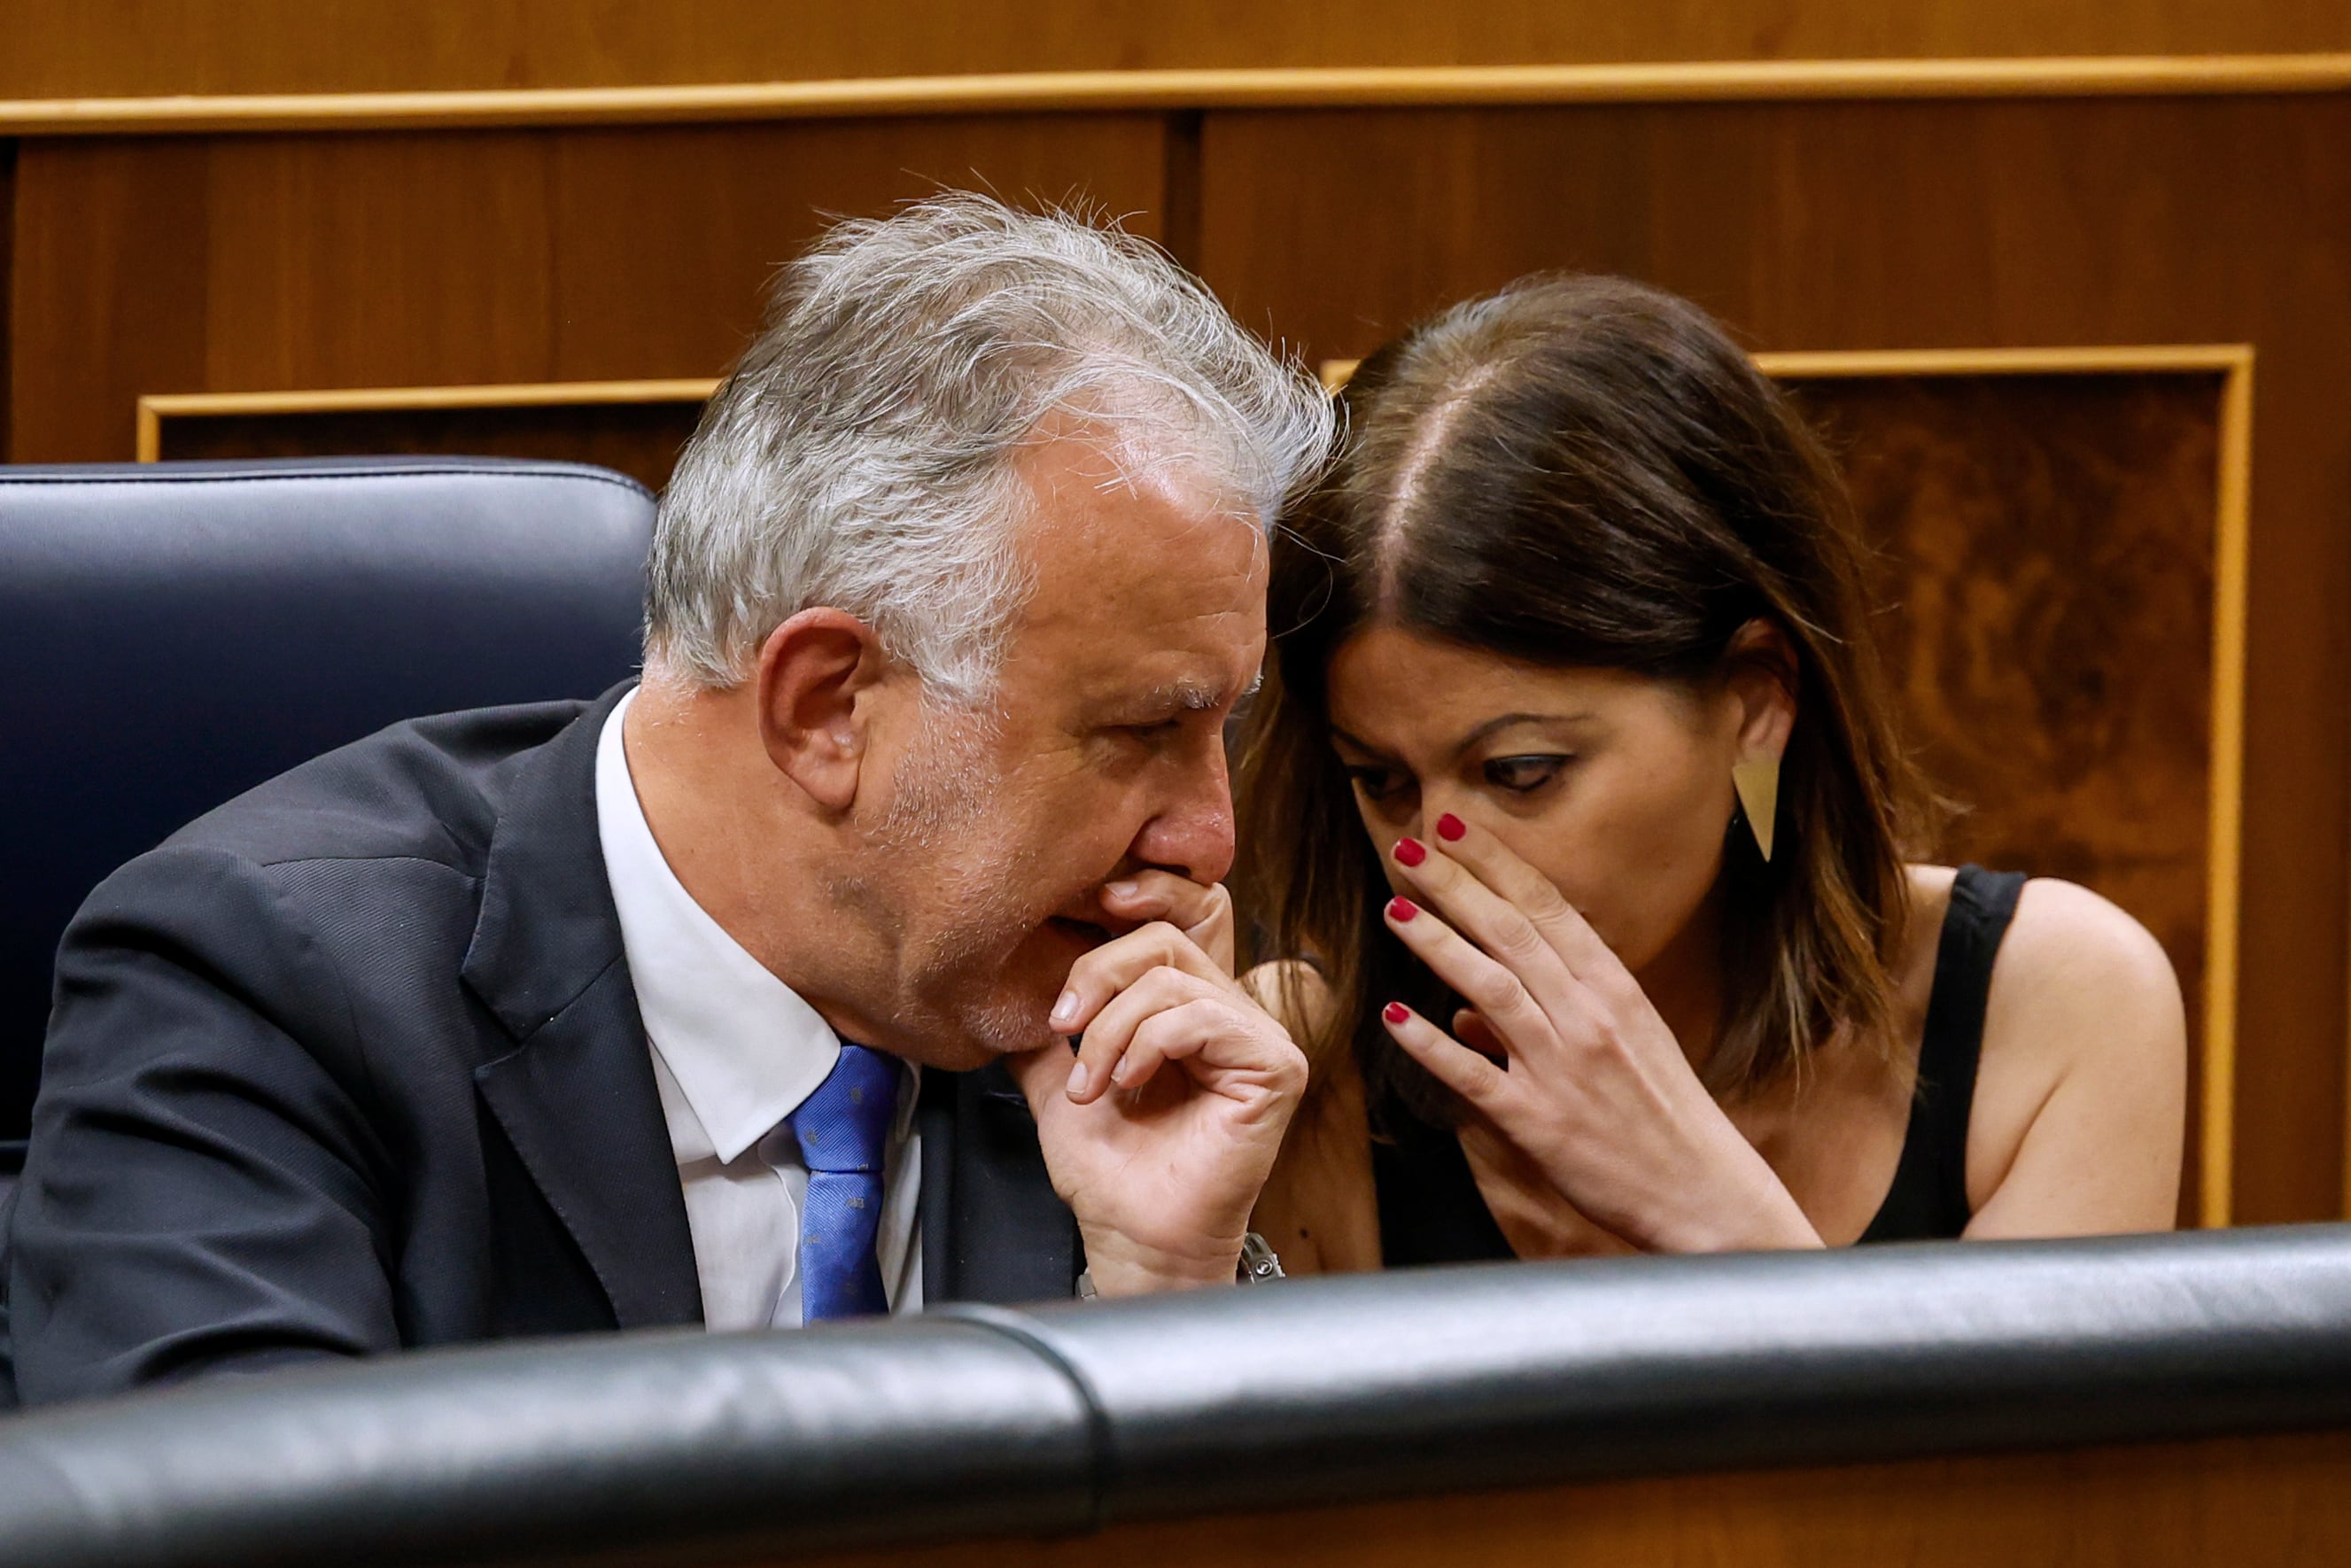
{"x":1592,"y":1087}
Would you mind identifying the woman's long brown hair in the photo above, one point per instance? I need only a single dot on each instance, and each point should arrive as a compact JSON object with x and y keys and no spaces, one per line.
{"x":1585,"y":472}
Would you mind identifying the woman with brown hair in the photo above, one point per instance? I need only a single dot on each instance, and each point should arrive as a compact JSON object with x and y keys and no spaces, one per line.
{"x":1576,"y":829}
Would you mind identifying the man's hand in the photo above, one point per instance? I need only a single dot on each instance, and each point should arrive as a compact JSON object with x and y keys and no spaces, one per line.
{"x":1160,"y":1132}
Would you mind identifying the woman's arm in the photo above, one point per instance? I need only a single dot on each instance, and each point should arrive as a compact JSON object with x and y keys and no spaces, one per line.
{"x":2081,"y":1094}
{"x":1318,"y":1209}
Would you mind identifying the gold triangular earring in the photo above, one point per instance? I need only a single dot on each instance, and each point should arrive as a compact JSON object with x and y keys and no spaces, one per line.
{"x":1758,"y":783}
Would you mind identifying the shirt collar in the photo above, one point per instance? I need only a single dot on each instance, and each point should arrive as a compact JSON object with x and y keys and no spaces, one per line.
{"x":743,"y":1047}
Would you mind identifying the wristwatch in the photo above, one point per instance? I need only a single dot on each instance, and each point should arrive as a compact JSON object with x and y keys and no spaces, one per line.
{"x":1258,"y":1265}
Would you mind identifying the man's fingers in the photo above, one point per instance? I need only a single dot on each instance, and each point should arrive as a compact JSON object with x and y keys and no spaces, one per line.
{"x":1110,"y":968}
{"x":1178,"y":1031}
{"x":1451,"y":1063}
{"x":1203,"y":912}
{"x":1169,"y":1015}
{"x":1109,"y":1035}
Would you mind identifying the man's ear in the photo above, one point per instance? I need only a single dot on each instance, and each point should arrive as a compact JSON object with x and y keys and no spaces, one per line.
{"x":1759,"y":669}
{"x":813,"y":671}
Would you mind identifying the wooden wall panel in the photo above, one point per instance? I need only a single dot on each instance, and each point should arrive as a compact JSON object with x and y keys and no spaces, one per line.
{"x":108,"y":297}
{"x":1869,"y":225}
{"x":2048,"y":548}
{"x":2276,"y":1502}
{"x":262,"y":263}
{"x":89,"y":48}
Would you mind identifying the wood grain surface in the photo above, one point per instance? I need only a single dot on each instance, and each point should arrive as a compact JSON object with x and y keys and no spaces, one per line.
{"x":79,"y":48}
{"x":2047,"y":546}
{"x":256,"y":264}
{"x":2279,"y":1501}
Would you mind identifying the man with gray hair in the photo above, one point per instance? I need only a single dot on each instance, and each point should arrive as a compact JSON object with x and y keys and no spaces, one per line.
{"x":870,"y":951}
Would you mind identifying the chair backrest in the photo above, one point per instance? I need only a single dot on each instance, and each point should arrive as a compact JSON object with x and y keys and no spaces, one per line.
{"x":174,"y":633}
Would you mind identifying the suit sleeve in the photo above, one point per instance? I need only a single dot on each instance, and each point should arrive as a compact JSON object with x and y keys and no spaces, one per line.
{"x":203,"y":1191}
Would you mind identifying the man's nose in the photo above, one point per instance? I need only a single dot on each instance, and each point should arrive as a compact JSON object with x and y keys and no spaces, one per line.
{"x":1193,"y":832}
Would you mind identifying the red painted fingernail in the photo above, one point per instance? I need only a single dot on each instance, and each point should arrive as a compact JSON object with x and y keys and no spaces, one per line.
{"x":1402,"y":909}
{"x":1410,"y":852}
{"x":1395,"y":1012}
{"x":1450,"y":828}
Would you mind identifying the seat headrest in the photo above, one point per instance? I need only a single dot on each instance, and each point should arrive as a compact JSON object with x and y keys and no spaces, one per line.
{"x":176,"y":632}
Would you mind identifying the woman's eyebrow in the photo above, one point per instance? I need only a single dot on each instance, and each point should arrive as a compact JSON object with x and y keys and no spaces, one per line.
{"x":1510,"y":720}
{"x":1343,"y":738}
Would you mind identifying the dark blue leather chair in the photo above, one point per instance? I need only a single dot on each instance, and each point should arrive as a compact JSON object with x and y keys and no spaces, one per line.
{"x":174,"y":633}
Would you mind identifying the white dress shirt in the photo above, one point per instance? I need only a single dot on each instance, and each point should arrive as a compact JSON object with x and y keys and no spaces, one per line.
{"x":735,"y":1050}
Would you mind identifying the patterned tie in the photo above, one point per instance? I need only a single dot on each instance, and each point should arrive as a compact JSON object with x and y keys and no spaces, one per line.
{"x":845,"y":1133}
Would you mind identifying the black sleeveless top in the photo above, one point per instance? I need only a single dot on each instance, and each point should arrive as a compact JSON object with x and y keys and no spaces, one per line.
{"x":1431,"y":1211}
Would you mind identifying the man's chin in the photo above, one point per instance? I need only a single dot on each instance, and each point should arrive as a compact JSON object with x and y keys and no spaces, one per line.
{"x":997,"y":1006}
{"x":1012,"y":1019}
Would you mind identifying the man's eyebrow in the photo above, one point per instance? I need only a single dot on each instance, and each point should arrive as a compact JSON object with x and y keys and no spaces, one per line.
{"x":1174,"y":696}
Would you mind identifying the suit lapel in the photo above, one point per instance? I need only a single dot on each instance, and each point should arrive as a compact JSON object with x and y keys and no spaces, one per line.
{"x":993,"y":1227}
{"x":576,"y":1096}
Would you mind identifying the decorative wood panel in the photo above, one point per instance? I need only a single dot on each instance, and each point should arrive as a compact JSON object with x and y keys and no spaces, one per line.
{"x":2062,"y":567}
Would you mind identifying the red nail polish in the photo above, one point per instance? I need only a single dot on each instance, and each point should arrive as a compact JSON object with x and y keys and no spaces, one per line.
{"x":1450,"y":828}
{"x":1410,"y":852}
{"x":1395,"y":1012}
{"x":1402,"y":909}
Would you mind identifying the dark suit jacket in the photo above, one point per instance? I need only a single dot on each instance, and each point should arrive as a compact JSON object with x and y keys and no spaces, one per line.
{"x":354,"y":1063}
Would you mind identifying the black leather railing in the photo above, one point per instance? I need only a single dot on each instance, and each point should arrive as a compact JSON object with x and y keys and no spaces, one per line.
{"x":683,"y":1447}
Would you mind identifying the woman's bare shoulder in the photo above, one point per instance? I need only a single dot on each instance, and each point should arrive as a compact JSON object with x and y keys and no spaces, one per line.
{"x":2073,"y":954}
{"x":2066,"y":948}
{"x":2081,"y":1085}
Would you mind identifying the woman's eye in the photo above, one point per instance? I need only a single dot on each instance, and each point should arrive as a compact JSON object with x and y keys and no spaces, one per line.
{"x":1520,"y":774}
{"x":1377,"y":783}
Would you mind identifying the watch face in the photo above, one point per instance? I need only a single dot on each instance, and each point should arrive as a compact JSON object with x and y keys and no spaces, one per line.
{"x":1259,"y":1263}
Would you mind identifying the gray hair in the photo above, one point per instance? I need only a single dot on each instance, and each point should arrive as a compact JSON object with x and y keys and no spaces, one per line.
{"x":862,"y":455}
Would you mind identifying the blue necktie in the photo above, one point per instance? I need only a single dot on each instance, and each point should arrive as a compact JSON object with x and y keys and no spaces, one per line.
{"x":844,"y":1135}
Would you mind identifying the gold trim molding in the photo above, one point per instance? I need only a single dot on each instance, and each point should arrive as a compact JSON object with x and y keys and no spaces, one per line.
{"x":1282,"y":87}
{"x":2224,"y":844}
{"x":154,"y":409}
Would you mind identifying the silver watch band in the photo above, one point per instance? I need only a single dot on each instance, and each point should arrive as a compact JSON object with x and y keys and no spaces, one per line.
{"x":1258,"y":1264}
